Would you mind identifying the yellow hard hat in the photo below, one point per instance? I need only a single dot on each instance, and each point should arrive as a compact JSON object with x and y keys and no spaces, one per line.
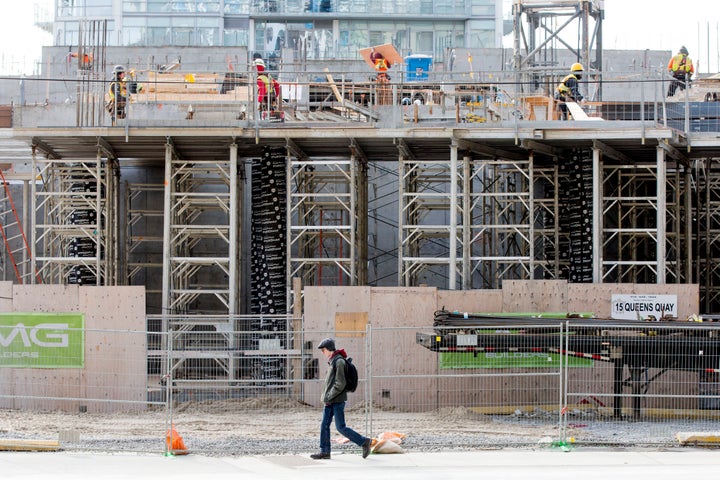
{"x":576,"y":67}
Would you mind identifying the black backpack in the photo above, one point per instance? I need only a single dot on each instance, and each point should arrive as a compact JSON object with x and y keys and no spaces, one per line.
{"x":351,"y":376}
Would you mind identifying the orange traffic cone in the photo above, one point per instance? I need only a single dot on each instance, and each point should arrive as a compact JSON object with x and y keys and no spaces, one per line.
{"x":174,"y":442}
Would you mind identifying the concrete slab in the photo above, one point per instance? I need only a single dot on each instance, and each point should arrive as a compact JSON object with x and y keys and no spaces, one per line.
{"x":495,"y":464}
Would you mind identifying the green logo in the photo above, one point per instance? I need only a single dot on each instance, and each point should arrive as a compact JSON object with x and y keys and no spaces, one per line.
{"x":42,"y":340}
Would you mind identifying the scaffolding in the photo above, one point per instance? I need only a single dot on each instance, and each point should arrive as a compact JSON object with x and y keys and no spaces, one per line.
{"x":144,"y":240}
{"x":74,"y":229}
{"x":543,"y":31}
{"x":323,"y":209}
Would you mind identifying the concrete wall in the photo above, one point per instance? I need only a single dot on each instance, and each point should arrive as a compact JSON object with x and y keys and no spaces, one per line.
{"x":115,"y":350}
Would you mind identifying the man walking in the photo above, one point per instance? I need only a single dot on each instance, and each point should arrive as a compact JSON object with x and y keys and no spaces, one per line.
{"x":334,"y":396}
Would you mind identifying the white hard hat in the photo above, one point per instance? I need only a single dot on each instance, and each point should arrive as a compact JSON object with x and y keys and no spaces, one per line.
{"x":259,"y":62}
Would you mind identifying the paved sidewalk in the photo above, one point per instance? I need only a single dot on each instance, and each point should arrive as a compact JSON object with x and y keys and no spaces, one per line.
{"x":505,"y":464}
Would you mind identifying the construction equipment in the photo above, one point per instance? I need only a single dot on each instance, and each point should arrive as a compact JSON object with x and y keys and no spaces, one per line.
{"x":639,"y":345}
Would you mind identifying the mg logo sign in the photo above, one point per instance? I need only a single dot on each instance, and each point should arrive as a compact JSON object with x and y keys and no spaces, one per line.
{"x":38,"y":335}
{"x":42,"y":340}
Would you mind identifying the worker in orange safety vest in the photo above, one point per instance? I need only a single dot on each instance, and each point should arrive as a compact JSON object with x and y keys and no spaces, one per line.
{"x":681,"y":68}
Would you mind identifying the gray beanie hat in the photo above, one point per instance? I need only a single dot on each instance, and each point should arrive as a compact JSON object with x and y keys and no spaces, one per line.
{"x":328,"y":343}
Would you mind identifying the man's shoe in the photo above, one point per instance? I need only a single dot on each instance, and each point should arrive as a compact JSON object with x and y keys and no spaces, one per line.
{"x":366,"y":447}
{"x":320,"y":456}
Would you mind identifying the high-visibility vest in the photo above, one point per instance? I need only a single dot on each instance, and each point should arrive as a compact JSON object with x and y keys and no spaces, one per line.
{"x":681,"y":64}
{"x":562,"y":88}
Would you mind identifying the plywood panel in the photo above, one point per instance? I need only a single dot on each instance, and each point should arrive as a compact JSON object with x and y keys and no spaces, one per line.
{"x":471,"y":301}
{"x":350,"y":324}
{"x":535,"y":296}
{"x":115,"y":342}
{"x":45,"y":298}
{"x":115,"y":350}
{"x":320,"y":307}
{"x":6,"y":296}
{"x":396,"y":315}
{"x":597,"y":297}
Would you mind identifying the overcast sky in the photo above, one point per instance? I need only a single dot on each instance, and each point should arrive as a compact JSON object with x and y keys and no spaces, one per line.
{"x":628,"y":24}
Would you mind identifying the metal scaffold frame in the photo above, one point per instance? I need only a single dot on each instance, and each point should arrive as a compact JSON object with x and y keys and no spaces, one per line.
{"x":201,"y":228}
{"x":428,"y":226}
{"x":74,"y":229}
{"x":323,"y":205}
{"x":201,"y":235}
{"x":707,"y":213}
{"x":474,"y":219}
{"x":502,"y":244}
{"x":641,"y":203}
{"x":541,"y":29}
{"x":143,"y":250}
{"x":549,"y":240}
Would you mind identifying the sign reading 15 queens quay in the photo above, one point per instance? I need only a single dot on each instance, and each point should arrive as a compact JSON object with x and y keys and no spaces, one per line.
{"x":42,"y":340}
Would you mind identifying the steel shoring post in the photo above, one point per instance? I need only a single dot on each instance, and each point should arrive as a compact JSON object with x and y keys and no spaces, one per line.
{"x":466,"y":228}
{"x":100,"y":236}
{"x":167,"y":209}
{"x":452,"y":272}
{"x":597,"y":217}
{"x":233,"y":261}
{"x":401,"y":223}
{"x":233,"y":233}
{"x":688,"y":226}
{"x":531,"y":215}
{"x":661,"y":215}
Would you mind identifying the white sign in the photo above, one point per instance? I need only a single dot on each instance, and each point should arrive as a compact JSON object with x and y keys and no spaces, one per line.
{"x":640,"y":307}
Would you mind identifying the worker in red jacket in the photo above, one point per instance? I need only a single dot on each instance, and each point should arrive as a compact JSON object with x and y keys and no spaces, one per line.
{"x":268,"y":88}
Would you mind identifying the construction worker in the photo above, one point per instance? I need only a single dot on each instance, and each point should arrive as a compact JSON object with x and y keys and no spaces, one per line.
{"x":381,"y":65}
{"x":117,"y":94}
{"x":568,"y":90}
{"x":384,"y":94}
{"x":268,"y":88}
{"x":681,"y":68}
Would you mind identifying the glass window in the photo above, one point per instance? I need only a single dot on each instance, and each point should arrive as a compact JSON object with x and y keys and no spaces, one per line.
{"x":212,"y":6}
{"x":158,"y":36}
{"x":132,"y":6}
{"x":133,"y":36}
{"x":158,"y":6}
{"x":158,"y":31}
{"x":237,"y":6}
{"x":183,"y":36}
{"x":66,"y":8}
{"x":98,"y":8}
{"x":237,"y":37}
{"x":208,"y":32}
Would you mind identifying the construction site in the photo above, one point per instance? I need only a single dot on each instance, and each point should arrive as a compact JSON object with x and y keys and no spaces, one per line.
{"x":235,"y":237}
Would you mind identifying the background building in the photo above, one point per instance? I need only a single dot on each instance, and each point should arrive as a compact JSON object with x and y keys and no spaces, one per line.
{"x":302,"y":29}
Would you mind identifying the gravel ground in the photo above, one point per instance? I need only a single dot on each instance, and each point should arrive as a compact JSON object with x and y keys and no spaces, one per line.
{"x":275,"y":427}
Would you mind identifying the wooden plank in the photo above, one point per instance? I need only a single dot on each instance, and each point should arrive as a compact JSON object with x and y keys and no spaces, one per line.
{"x":578,"y":113}
{"x":11,"y":445}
